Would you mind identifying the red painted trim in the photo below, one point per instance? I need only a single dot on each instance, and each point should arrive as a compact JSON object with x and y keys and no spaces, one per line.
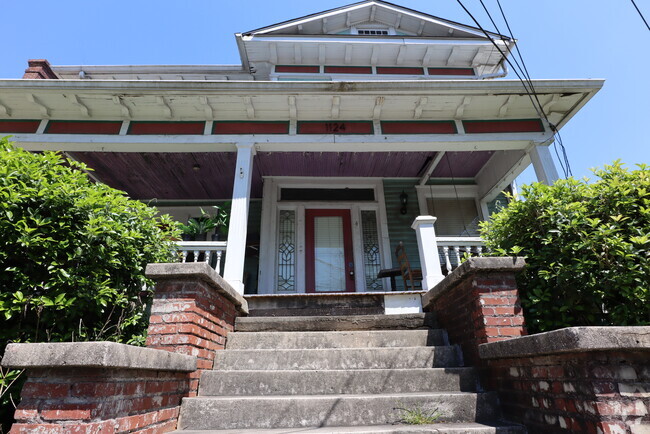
{"x":504,"y":126}
{"x":451,"y":71}
{"x":310,"y":254}
{"x":19,"y":127}
{"x":83,"y":127}
{"x":250,"y":128}
{"x":335,"y":127}
{"x":165,"y":128}
{"x":418,"y":127}
{"x":348,"y":69}
{"x":297,"y":68}
{"x":399,"y":70}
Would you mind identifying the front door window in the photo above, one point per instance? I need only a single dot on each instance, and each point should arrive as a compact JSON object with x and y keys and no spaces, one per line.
{"x":329,"y":259}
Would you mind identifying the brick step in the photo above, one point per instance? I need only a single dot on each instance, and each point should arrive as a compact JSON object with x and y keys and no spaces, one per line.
{"x":336,"y":339}
{"x":450,"y":428}
{"x":335,"y":323}
{"x":338,"y":358}
{"x":321,"y":382}
{"x":325,"y":304}
{"x":262,"y":412}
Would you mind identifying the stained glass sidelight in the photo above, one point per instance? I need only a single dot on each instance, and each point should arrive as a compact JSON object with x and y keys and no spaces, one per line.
{"x":287,"y":251}
{"x":371,"y":254}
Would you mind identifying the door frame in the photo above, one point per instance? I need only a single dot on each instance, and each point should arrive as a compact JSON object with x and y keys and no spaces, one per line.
{"x":271,"y":207}
{"x":310,"y":254}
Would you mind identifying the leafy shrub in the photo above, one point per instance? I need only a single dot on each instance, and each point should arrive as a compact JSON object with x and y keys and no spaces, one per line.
{"x":587,"y":246}
{"x":72,"y":253}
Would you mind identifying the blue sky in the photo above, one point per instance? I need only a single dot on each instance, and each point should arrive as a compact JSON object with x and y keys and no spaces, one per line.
{"x":558,"y":38}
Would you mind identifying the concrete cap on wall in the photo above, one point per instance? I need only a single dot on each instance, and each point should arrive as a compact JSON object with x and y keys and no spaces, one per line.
{"x":570,"y":340}
{"x":200,"y":271}
{"x":94,"y":355}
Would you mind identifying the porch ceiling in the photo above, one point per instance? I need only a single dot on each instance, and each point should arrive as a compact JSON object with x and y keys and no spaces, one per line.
{"x":209,"y":175}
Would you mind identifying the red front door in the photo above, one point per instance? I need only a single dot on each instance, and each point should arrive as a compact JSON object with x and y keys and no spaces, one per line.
{"x":328,"y":239}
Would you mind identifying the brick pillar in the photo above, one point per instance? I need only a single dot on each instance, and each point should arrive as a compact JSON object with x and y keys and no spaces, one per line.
{"x":39,"y":69}
{"x":193,"y":311}
{"x":479,"y":303}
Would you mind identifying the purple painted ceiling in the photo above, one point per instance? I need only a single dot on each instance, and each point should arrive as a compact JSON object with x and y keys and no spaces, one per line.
{"x":461,"y":164}
{"x":363,"y":164}
{"x":205,"y":175}
{"x":165,"y":175}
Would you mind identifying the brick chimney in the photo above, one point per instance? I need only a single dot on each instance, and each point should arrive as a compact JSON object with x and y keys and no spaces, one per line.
{"x":39,"y":69}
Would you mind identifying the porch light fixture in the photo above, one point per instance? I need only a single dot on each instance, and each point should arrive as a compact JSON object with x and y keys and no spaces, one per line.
{"x":404,"y":200}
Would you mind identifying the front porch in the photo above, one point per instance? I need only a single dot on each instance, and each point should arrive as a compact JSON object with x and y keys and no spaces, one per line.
{"x":326,"y":184}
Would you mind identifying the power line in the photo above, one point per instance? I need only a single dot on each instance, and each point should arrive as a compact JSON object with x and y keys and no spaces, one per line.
{"x":527,"y":82}
{"x":640,"y":14}
{"x":566,"y":167}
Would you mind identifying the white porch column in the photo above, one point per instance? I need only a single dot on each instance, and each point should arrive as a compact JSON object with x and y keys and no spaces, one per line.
{"x":241,"y":191}
{"x":543,"y":163}
{"x":428,"y":248}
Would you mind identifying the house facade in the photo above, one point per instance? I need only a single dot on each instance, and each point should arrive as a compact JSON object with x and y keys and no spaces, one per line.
{"x":337,"y":139}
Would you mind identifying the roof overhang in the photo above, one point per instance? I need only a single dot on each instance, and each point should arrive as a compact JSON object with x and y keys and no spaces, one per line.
{"x":254,"y":100}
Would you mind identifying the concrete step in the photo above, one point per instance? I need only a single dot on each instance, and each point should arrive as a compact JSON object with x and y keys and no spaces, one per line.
{"x":337,"y":339}
{"x":335,"y":323}
{"x":338,"y":358}
{"x":353,"y":381}
{"x":450,"y":428}
{"x":263,"y":412}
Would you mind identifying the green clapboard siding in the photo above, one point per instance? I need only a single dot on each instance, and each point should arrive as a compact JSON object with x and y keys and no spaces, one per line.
{"x":399,"y":225}
{"x":252,"y":261}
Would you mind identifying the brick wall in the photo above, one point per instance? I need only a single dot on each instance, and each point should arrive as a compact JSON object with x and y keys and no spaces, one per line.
{"x":479,"y":303}
{"x":101,"y":387}
{"x":100,"y":400}
{"x":578,"y":379}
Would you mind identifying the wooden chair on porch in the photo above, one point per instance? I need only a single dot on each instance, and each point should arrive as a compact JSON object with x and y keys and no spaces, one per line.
{"x":412,"y":276}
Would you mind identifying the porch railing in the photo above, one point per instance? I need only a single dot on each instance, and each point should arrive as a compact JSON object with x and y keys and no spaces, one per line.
{"x":440,"y":255}
{"x":210,"y":252}
{"x":452,"y":250}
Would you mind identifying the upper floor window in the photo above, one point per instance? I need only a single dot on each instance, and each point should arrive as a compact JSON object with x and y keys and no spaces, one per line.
{"x":372,"y":31}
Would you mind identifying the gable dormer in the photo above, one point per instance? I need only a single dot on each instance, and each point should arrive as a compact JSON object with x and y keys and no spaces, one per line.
{"x":372,"y":39}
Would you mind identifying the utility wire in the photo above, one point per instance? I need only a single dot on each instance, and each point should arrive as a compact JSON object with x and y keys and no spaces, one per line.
{"x":566,"y":167}
{"x":527,"y":82}
{"x":640,"y":14}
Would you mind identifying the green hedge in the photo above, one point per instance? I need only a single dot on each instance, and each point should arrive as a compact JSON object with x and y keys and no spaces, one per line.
{"x":587,"y":245}
{"x":72,"y":253}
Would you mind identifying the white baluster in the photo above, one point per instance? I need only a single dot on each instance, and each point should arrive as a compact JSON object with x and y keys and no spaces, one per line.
{"x":479,"y":251}
{"x":196,"y":256}
{"x":208,"y":254}
{"x":445,"y":250}
{"x":183,"y":256}
{"x":218,"y":266}
{"x":457,"y":255}
{"x":468,"y":249}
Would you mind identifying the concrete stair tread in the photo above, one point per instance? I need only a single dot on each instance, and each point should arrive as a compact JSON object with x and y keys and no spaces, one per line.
{"x":337,"y":358}
{"x":469,"y":427}
{"x":335,"y":396}
{"x":336,"y":322}
{"x":336,"y":339}
{"x":350,"y":381}
{"x":291,"y":411}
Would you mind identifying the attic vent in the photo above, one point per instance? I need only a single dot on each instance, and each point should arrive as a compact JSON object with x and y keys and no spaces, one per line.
{"x":372,"y":32}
